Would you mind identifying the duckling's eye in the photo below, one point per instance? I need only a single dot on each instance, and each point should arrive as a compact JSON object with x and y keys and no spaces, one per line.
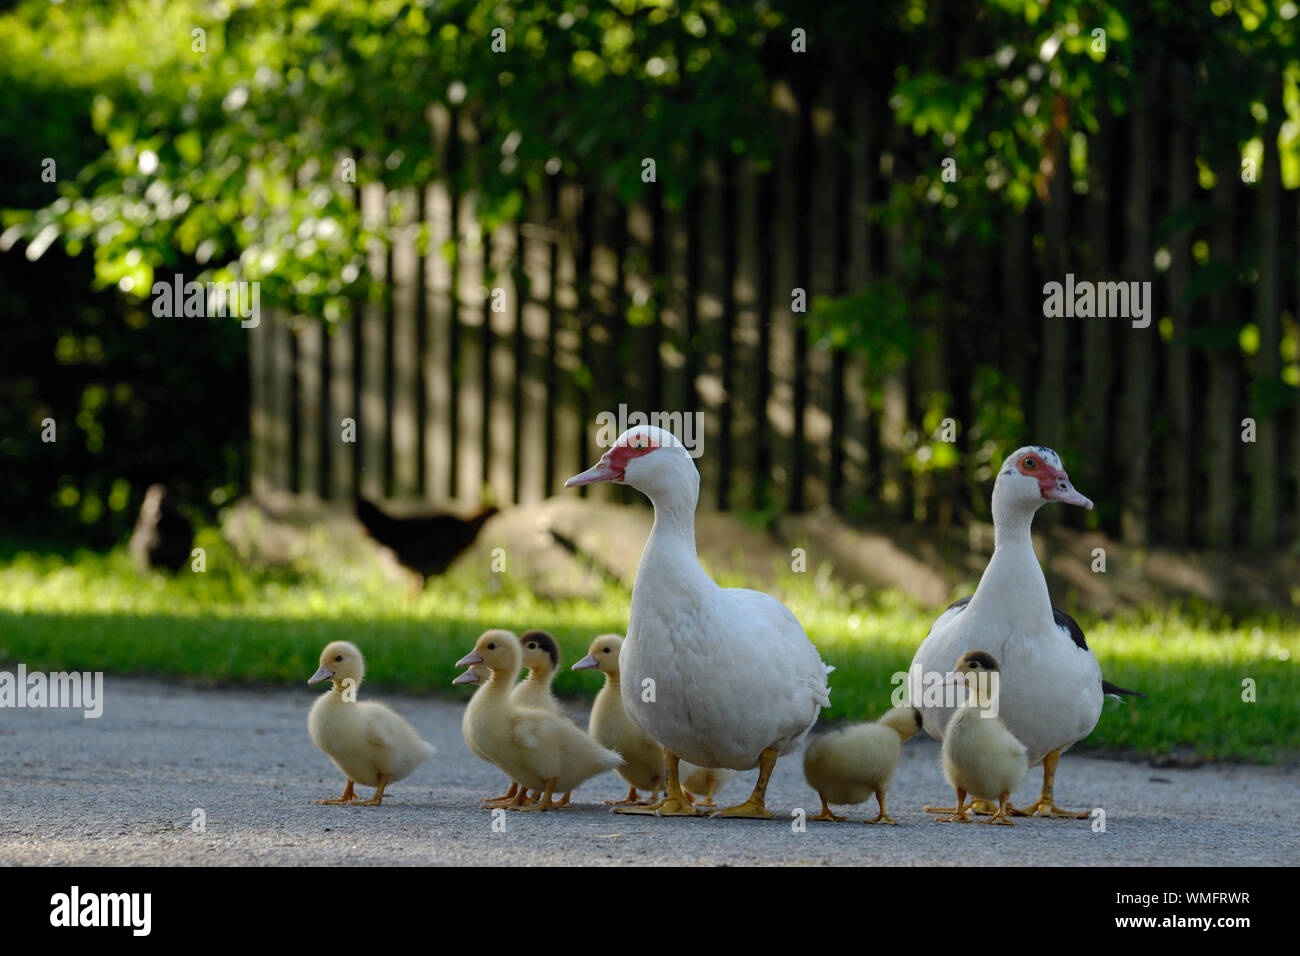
{"x":492,"y":647}
{"x":532,"y":647}
{"x":605,"y":651}
{"x":339,"y":658}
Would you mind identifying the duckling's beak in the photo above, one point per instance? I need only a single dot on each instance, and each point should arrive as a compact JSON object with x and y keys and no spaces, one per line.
{"x":471,"y":658}
{"x":324,"y":673}
{"x":466,"y":678}
{"x":586,"y":664}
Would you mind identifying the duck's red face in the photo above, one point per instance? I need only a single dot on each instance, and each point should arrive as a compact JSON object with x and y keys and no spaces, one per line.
{"x":1053,"y":482}
{"x":613,"y":463}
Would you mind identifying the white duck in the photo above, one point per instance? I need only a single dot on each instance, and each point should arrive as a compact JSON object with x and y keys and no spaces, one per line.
{"x":722,"y":677}
{"x":1053,"y":688}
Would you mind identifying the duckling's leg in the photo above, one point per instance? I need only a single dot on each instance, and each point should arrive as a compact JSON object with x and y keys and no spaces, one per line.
{"x":1000,"y":818}
{"x":349,"y":796}
{"x":960,"y":815}
{"x":505,"y":798}
{"x":674,"y":803}
{"x":378,"y":798}
{"x":755,"y":808}
{"x":632,"y":799}
{"x":882,"y":816}
{"x":543,"y":804}
{"x":564,"y":801}
{"x":708,"y":796}
{"x":826,"y":813}
{"x":1045,"y":806}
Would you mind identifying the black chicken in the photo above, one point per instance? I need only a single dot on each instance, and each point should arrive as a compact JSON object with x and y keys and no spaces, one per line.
{"x":427,"y":544}
{"x":163,"y":536}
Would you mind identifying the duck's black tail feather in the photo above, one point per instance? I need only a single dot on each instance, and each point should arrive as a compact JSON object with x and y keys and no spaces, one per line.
{"x":1108,"y":688}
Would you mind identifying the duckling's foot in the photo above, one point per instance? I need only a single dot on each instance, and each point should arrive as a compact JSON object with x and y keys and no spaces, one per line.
{"x":378,"y":798}
{"x":826,"y":813}
{"x":959,"y":815}
{"x":564,"y":801}
{"x":505,"y":798}
{"x":540,"y":805}
{"x":633,"y":799}
{"x":349,"y":797}
{"x":669,"y":806}
{"x":1000,"y":818}
{"x":1046,"y":808}
{"x":882,"y":816}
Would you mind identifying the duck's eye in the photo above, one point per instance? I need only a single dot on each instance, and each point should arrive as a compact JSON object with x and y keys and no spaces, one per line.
{"x":339,"y":658}
{"x":1031,"y":463}
{"x":492,"y":647}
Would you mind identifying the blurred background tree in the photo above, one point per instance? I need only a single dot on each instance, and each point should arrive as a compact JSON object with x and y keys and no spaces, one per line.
{"x":218,"y":140}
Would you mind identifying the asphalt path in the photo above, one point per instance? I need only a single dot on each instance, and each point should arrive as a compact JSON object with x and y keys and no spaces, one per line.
{"x":177,"y":775}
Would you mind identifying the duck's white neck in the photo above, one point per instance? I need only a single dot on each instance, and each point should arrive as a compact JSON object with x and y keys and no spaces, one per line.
{"x":1013,"y":582}
{"x":670,"y":553}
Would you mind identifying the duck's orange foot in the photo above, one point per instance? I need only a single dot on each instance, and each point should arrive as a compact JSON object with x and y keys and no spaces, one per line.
{"x":751,"y":809}
{"x":882,"y":817}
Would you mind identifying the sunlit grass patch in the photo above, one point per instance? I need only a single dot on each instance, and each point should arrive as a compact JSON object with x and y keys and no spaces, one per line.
{"x":231,"y":624}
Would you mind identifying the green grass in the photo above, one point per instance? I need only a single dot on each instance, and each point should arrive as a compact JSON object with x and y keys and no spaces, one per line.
{"x":92,"y":612}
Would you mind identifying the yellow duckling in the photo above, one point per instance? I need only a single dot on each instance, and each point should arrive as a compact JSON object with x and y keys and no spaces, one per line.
{"x":542,"y":658}
{"x":850,"y":764}
{"x":540,"y":750}
{"x":369,"y":743}
{"x":609,"y":726}
{"x":701,"y":784}
{"x":477,"y":674}
{"x":980,"y":756}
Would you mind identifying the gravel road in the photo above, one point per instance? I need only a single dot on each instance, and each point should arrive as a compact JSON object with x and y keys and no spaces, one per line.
{"x":124,"y":789}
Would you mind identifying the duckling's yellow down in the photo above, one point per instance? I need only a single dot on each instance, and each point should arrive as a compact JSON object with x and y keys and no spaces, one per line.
{"x":364,"y":739}
{"x":849,"y":765}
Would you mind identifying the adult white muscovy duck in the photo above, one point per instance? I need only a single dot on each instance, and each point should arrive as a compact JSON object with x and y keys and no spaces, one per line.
{"x":721,"y":677}
{"x":1051,"y":685}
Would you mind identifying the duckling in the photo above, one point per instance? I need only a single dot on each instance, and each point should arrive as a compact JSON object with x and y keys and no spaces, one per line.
{"x":479,"y":674}
{"x":369,"y":743}
{"x":980,"y":756}
{"x":542,"y":658}
{"x":540,"y":750}
{"x":850,"y":764}
{"x":610,"y":726}
{"x":701,"y":784}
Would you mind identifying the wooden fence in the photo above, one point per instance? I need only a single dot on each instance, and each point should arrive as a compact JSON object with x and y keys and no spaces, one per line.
{"x":690,"y":310}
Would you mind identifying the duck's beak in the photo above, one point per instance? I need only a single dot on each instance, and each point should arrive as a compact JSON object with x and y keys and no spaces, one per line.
{"x":471,"y":658}
{"x":586,"y":664}
{"x":468,"y":677}
{"x":323,"y":673}
{"x":601,"y":471}
{"x":1066,"y":493}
